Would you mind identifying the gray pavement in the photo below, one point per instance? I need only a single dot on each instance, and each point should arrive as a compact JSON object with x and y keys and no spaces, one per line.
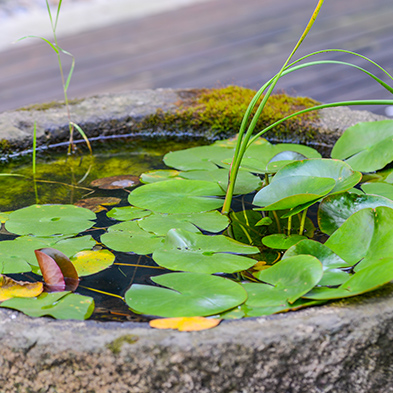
{"x":206,"y":44}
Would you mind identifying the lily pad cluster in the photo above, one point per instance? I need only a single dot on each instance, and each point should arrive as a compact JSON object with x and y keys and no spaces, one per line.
{"x":262,"y":258}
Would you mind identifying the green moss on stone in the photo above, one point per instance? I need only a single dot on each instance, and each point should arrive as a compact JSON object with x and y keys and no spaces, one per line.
{"x":116,"y":345}
{"x":217,"y":113}
{"x":5,"y":147}
{"x":49,"y":105}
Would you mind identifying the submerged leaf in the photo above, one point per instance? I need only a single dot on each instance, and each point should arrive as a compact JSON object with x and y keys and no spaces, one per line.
{"x":116,"y":182}
{"x":97,"y":204}
{"x":185,"y":324}
{"x":159,"y":175}
{"x":185,"y":295}
{"x":10,"y":288}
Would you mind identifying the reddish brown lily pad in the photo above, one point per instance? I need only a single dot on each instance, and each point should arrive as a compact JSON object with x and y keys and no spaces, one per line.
{"x":97,"y":204}
{"x":116,"y":182}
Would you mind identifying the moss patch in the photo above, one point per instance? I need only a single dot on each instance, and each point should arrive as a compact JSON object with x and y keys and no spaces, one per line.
{"x":217,"y":113}
{"x":49,"y":105}
{"x":116,"y":345}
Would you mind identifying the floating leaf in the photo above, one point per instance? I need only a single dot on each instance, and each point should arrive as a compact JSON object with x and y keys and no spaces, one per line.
{"x":365,"y":280}
{"x":160,"y":224}
{"x":57,"y":270}
{"x":382,"y":189}
{"x":177,"y":196}
{"x":10,"y":288}
{"x":285,"y":281}
{"x":17,"y":256}
{"x":116,"y":182}
{"x":129,"y":237}
{"x":46,"y":220}
{"x":283,"y":158}
{"x":59,"y":305}
{"x":185,"y":324}
{"x":303,"y":182}
{"x":335,"y":209}
{"x":258,"y":155}
{"x":369,"y":233}
{"x":127,"y":213}
{"x":367,"y":146}
{"x":185,"y":295}
{"x":97,"y":204}
{"x":159,"y":175}
{"x":4,"y":216}
{"x":331,"y":262}
{"x":201,"y":157}
{"x":193,"y":252}
{"x":280,"y":241}
{"x":245,"y":181}
{"x":92,"y":261}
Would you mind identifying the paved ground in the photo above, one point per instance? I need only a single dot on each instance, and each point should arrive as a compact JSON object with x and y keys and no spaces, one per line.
{"x":210,"y":43}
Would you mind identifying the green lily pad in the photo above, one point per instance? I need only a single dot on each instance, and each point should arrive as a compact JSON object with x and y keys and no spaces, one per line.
{"x":178,"y":196}
{"x":335,"y":209}
{"x":379,"y":188}
{"x":46,"y":220}
{"x":160,"y":224}
{"x":245,"y":181}
{"x":128,"y":236}
{"x":201,"y":157}
{"x":281,"y":242}
{"x":302,"y":182}
{"x":159,"y":175}
{"x":127,"y":213}
{"x":369,"y":232}
{"x":18,"y":255}
{"x":193,"y":252}
{"x":4,"y":216}
{"x":59,"y":305}
{"x":258,"y":156}
{"x":331,"y":262}
{"x":185,"y":295}
{"x":286,"y":281}
{"x":365,"y":280}
{"x":366,"y":147}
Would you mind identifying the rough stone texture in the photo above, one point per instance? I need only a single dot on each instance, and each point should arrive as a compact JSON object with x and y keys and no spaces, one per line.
{"x":343,"y":347}
{"x":338,"y":348}
{"x":124,"y":114}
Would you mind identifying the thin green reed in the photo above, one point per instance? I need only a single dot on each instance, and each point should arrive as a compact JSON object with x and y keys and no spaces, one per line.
{"x":245,"y":138}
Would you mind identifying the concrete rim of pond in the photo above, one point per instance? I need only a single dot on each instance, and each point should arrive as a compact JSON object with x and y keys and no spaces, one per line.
{"x":344,"y":346}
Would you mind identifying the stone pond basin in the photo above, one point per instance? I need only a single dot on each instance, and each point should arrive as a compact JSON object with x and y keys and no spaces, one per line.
{"x":344,"y":346}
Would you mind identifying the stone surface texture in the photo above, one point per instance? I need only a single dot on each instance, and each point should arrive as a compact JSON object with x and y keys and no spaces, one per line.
{"x":110,"y":114}
{"x":342,"y":347}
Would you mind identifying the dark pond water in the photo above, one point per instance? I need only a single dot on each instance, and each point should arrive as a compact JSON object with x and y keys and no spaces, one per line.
{"x":66,"y":180}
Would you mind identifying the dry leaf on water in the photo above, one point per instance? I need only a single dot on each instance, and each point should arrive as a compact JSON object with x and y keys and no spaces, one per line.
{"x":185,"y":324}
{"x":116,"y":182}
{"x":10,"y":288}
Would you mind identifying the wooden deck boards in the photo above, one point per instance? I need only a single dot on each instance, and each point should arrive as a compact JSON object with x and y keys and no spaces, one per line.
{"x":209,"y":44}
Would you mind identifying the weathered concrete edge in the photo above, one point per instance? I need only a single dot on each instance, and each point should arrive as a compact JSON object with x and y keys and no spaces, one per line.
{"x":344,"y":347}
{"x":124,"y":113}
